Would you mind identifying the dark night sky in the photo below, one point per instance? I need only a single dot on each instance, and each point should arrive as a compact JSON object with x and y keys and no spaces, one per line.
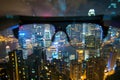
{"x":52,"y":7}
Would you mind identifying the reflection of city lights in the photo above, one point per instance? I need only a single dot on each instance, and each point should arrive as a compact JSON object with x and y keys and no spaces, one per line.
{"x":106,"y":74}
{"x":46,"y":67}
{"x":117,"y":34}
{"x":22,"y":34}
{"x":48,"y":49}
{"x":55,"y":43}
{"x":7,"y":39}
{"x":81,"y":77}
{"x":105,"y":70}
{"x":80,"y":51}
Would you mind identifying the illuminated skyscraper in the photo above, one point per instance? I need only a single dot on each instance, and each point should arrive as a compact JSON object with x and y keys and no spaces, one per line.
{"x":95,"y":68}
{"x":110,"y":47}
{"x":17,"y":69}
{"x":47,"y":35}
{"x":75,"y":70}
{"x":92,"y":39}
{"x":35,"y":63}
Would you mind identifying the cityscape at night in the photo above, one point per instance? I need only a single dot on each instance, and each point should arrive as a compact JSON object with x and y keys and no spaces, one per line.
{"x":61,"y":44}
{"x":35,"y":57}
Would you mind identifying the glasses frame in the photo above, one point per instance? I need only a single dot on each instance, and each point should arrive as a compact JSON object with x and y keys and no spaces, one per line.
{"x":60,"y":23}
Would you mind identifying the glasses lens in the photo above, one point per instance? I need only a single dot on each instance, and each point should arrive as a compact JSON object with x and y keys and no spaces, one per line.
{"x":84,"y":34}
{"x":36,"y":34}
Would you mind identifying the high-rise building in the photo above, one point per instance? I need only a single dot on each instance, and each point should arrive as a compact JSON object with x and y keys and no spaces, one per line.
{"x":17,"y":69}
{"x":110,"y":49}
{"x":47,"y":35}
{"x":75,"y":70}
{"x":33,"y":63}
{"x":95,"y":68}
{"x":36,"y":63}
{"x":61,"y":65}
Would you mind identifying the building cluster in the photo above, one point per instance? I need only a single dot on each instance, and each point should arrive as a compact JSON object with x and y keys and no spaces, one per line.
{"x":36,"y":67}
{"x":86,"y":56}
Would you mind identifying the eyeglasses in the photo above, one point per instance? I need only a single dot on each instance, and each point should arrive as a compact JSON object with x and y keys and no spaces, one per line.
{"x":65,"y":24}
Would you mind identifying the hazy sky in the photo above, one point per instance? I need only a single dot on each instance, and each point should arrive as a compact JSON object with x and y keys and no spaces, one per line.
{"x":52,"y":7}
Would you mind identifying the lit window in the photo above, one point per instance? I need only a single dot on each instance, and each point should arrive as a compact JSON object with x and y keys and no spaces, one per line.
{"x":23,"y":68}
{"x":13,"y":63}
{"x":19,"y":72}
{"x":12,"y":54}
{"x":12,"y":59}
{"x":23,"y":76}
{"x":23,"y":73}
{"x":33,"y":71}
{"x":19,"y":61}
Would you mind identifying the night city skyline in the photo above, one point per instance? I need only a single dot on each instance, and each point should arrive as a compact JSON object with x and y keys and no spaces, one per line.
{"x":59,"y":40}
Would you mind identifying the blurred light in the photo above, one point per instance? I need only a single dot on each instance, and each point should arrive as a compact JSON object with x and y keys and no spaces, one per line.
{"x":112,"y":5}
{"x":55,"y":55}
{"x":46,"y":67}
{"x":9,"y":16}
{"x":7,"y":47}
{"x":22,"y":34}
{"x":106,"y":74}
{"x":33,"y":71}
{"x":72,"y":57}
{"x":21,"y":27}
{"x":62,"y":5}
{"x":81,"y":77}
{"x":105,"y":70}
{"x":80,"y":51}
{"x":55,"y":43}
{"x":91,"y":12}
{"x":46,"y":14}
{"x":13,"y":27}
{"x":114,"y":67}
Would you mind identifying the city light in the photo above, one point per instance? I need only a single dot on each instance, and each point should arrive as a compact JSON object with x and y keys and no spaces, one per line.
{"x":22,"y":34}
